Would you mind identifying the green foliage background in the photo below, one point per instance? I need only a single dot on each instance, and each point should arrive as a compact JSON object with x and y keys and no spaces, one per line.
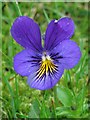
{"x":69,"y":98}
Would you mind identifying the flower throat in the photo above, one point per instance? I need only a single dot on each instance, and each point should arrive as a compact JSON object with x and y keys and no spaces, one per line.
{"x":47,"y":66}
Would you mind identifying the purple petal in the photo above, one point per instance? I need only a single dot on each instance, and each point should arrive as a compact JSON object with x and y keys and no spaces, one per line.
{"x":27,"y":33}
{"x":26,"y":62}
{"x":45,"y":82}
{"x":68,"y":54}
{"x":58,"y":31}
{"x":66,"y":28}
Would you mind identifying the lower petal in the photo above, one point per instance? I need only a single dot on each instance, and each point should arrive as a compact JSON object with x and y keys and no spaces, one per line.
{"x":45,"y":82}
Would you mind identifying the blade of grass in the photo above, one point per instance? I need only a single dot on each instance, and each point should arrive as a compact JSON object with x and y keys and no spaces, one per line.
{"x":19,"y":11}
{"x":17,"y":94}
{"x":12,"y":97}
{"x":46,"y":15}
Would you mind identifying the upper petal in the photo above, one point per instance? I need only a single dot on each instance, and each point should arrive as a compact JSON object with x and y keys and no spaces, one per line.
{"x":26,"y":62}
{"x":27,"y":33}
{"x":67,"y":27}
{"x":46,"y":81}
{"x":58,"y":31}
{"x":67,"y":53}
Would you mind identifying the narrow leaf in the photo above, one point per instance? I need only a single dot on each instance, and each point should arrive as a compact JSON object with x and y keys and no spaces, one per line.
{"x":65,"y":95}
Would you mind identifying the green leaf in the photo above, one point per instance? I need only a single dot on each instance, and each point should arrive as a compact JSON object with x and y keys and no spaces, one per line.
{"x":80,"y":99}
{"x":65,"y":95}
{"x":45,"y":112}
{"x":34,"y":110}
{"x":62,"y":111}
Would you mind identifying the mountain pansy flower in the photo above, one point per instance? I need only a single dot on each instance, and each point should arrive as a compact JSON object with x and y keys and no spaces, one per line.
{"x":44,"y":65}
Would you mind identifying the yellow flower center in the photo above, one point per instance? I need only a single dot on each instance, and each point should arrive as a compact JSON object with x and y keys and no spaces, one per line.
{"x":47,"y":66}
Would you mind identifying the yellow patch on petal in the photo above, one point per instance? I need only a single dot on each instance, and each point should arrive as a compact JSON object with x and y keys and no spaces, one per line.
{"x":46,"y":66}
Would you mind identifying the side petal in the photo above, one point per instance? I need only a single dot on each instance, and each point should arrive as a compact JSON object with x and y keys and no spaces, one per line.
{"x":27,"y":33}
{"x":67,"y":53}
{"x":26,"y":62}
{"x":57,"y":31}
{"x":47,"y":81}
